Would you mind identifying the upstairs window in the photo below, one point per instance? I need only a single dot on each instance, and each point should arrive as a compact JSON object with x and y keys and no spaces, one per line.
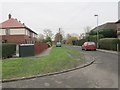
{"x":7,"y":31}
{"x":118,"y":29}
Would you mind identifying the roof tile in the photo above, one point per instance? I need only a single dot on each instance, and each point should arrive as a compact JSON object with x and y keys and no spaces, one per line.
{"x":11,"y":23}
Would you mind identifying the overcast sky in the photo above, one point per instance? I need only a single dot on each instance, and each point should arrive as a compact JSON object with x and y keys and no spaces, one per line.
{"x":72,"y":17}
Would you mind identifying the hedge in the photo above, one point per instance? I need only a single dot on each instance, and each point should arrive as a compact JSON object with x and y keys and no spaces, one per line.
{"x":109,"y":43}
{"x":8,"y":49}
{"x":119,"y":45}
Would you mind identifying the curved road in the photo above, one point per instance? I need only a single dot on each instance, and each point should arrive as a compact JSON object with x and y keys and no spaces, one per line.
{"x":103,"y":73}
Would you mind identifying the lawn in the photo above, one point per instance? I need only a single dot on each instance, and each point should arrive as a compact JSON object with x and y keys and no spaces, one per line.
{"x":0,"y":69}
{"x":60,"y":58}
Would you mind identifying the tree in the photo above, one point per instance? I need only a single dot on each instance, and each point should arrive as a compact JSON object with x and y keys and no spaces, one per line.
{"x":41,"y":38}
{"x":58,"y":37}
{"x":70,"y":39}
{"x":68,"y":36}
{"x":108,"y":33}
{"x":49,"y":35}
{"x":75,"y":35}
{"x":62,"y":33}
{"x":48,"y":32}
{"x":87,"y":30}
{"x":48,"y":39}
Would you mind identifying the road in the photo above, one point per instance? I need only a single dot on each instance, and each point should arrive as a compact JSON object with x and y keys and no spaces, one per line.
{"x":103,"y":73}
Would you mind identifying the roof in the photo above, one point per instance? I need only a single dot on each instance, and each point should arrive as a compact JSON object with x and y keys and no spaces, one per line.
{"x":13,"y":23}
{"x":118,"y":21}
{"x":109,"y":25}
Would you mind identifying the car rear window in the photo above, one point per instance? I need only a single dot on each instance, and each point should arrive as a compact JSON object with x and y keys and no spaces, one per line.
{"x":91,"y":43}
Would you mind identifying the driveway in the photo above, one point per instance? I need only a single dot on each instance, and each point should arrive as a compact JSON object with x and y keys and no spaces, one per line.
{"x":103,"y":73}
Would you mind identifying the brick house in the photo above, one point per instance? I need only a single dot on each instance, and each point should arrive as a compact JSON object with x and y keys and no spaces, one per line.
{"x":13,"y":31}
{"x":118,"y":28}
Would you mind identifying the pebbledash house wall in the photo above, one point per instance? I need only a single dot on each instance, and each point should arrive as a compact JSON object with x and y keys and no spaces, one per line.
{"x":18,"y":36}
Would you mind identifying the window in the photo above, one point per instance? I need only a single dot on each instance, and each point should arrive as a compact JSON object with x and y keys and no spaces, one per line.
{"x":118,"y":29}
{"x":91,"y":43}
{"x":7,"y":31}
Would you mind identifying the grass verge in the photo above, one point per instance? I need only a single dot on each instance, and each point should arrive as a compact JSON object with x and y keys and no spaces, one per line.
{"x":60,"y":58}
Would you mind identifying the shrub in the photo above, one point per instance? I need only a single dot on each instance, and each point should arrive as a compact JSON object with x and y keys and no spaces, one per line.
{"x":49,"y":44}
{"x":108,"y":43}
{"x":119,"y":45}
{"x":80,"y":42}
{"x":8,"y":50}
{"x":106,"y":33}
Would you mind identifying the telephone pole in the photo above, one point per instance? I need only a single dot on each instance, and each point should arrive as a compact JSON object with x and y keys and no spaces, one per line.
{"x":59,"y":34}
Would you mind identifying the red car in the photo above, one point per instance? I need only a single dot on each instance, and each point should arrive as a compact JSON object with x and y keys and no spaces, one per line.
{"x":89,"y":46}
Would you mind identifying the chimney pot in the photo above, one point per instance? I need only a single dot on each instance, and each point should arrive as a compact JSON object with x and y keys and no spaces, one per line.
{"x":9,"y":16}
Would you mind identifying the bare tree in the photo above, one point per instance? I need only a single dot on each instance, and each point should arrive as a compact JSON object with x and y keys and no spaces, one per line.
{"x":82,"y":35}
{"x":75,"y":35}
{"x":48,"y":33}
{"x":58,"y":37}
{"x":87,"y":29}
{"x":68,"y":36}
{"x":70,"y":39}
{"x":40,"y":38}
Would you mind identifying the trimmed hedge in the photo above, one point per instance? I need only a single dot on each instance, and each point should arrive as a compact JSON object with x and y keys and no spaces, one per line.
{"x":8,"y":49}
{"x":119,"y":45}
{"x":109,"y":43}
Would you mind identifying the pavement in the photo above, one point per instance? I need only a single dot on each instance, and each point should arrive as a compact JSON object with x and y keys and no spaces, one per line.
{"x":107,"y":51}
{"x":103,"y":73}
{"x":45,"y":53}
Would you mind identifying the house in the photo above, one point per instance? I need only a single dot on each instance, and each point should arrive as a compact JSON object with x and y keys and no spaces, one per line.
{"x":118,"y":28}
{"x":13,"y":31}
{"x":109,"y":25}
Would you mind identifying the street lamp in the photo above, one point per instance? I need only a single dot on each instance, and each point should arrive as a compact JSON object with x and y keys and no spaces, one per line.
{"x":97,"y":31}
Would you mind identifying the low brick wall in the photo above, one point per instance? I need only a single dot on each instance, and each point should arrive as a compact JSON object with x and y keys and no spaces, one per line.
{"x":40,"y":48}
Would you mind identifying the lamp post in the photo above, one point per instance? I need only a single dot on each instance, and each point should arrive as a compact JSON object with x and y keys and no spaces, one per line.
{"x":97,"y":31}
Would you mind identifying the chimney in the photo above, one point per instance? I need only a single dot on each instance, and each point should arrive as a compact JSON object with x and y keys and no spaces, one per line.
{"x":9,"y":16}
{"x":16,"y":19}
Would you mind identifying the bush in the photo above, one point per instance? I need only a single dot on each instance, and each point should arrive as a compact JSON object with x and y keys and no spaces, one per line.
{"x":8,"y":50}
{"x":119,"y":45}
{"x":109,"y":43}
{"x":81,"y":42}
{"x":106,"y":33}
{"x":49,"y":44}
